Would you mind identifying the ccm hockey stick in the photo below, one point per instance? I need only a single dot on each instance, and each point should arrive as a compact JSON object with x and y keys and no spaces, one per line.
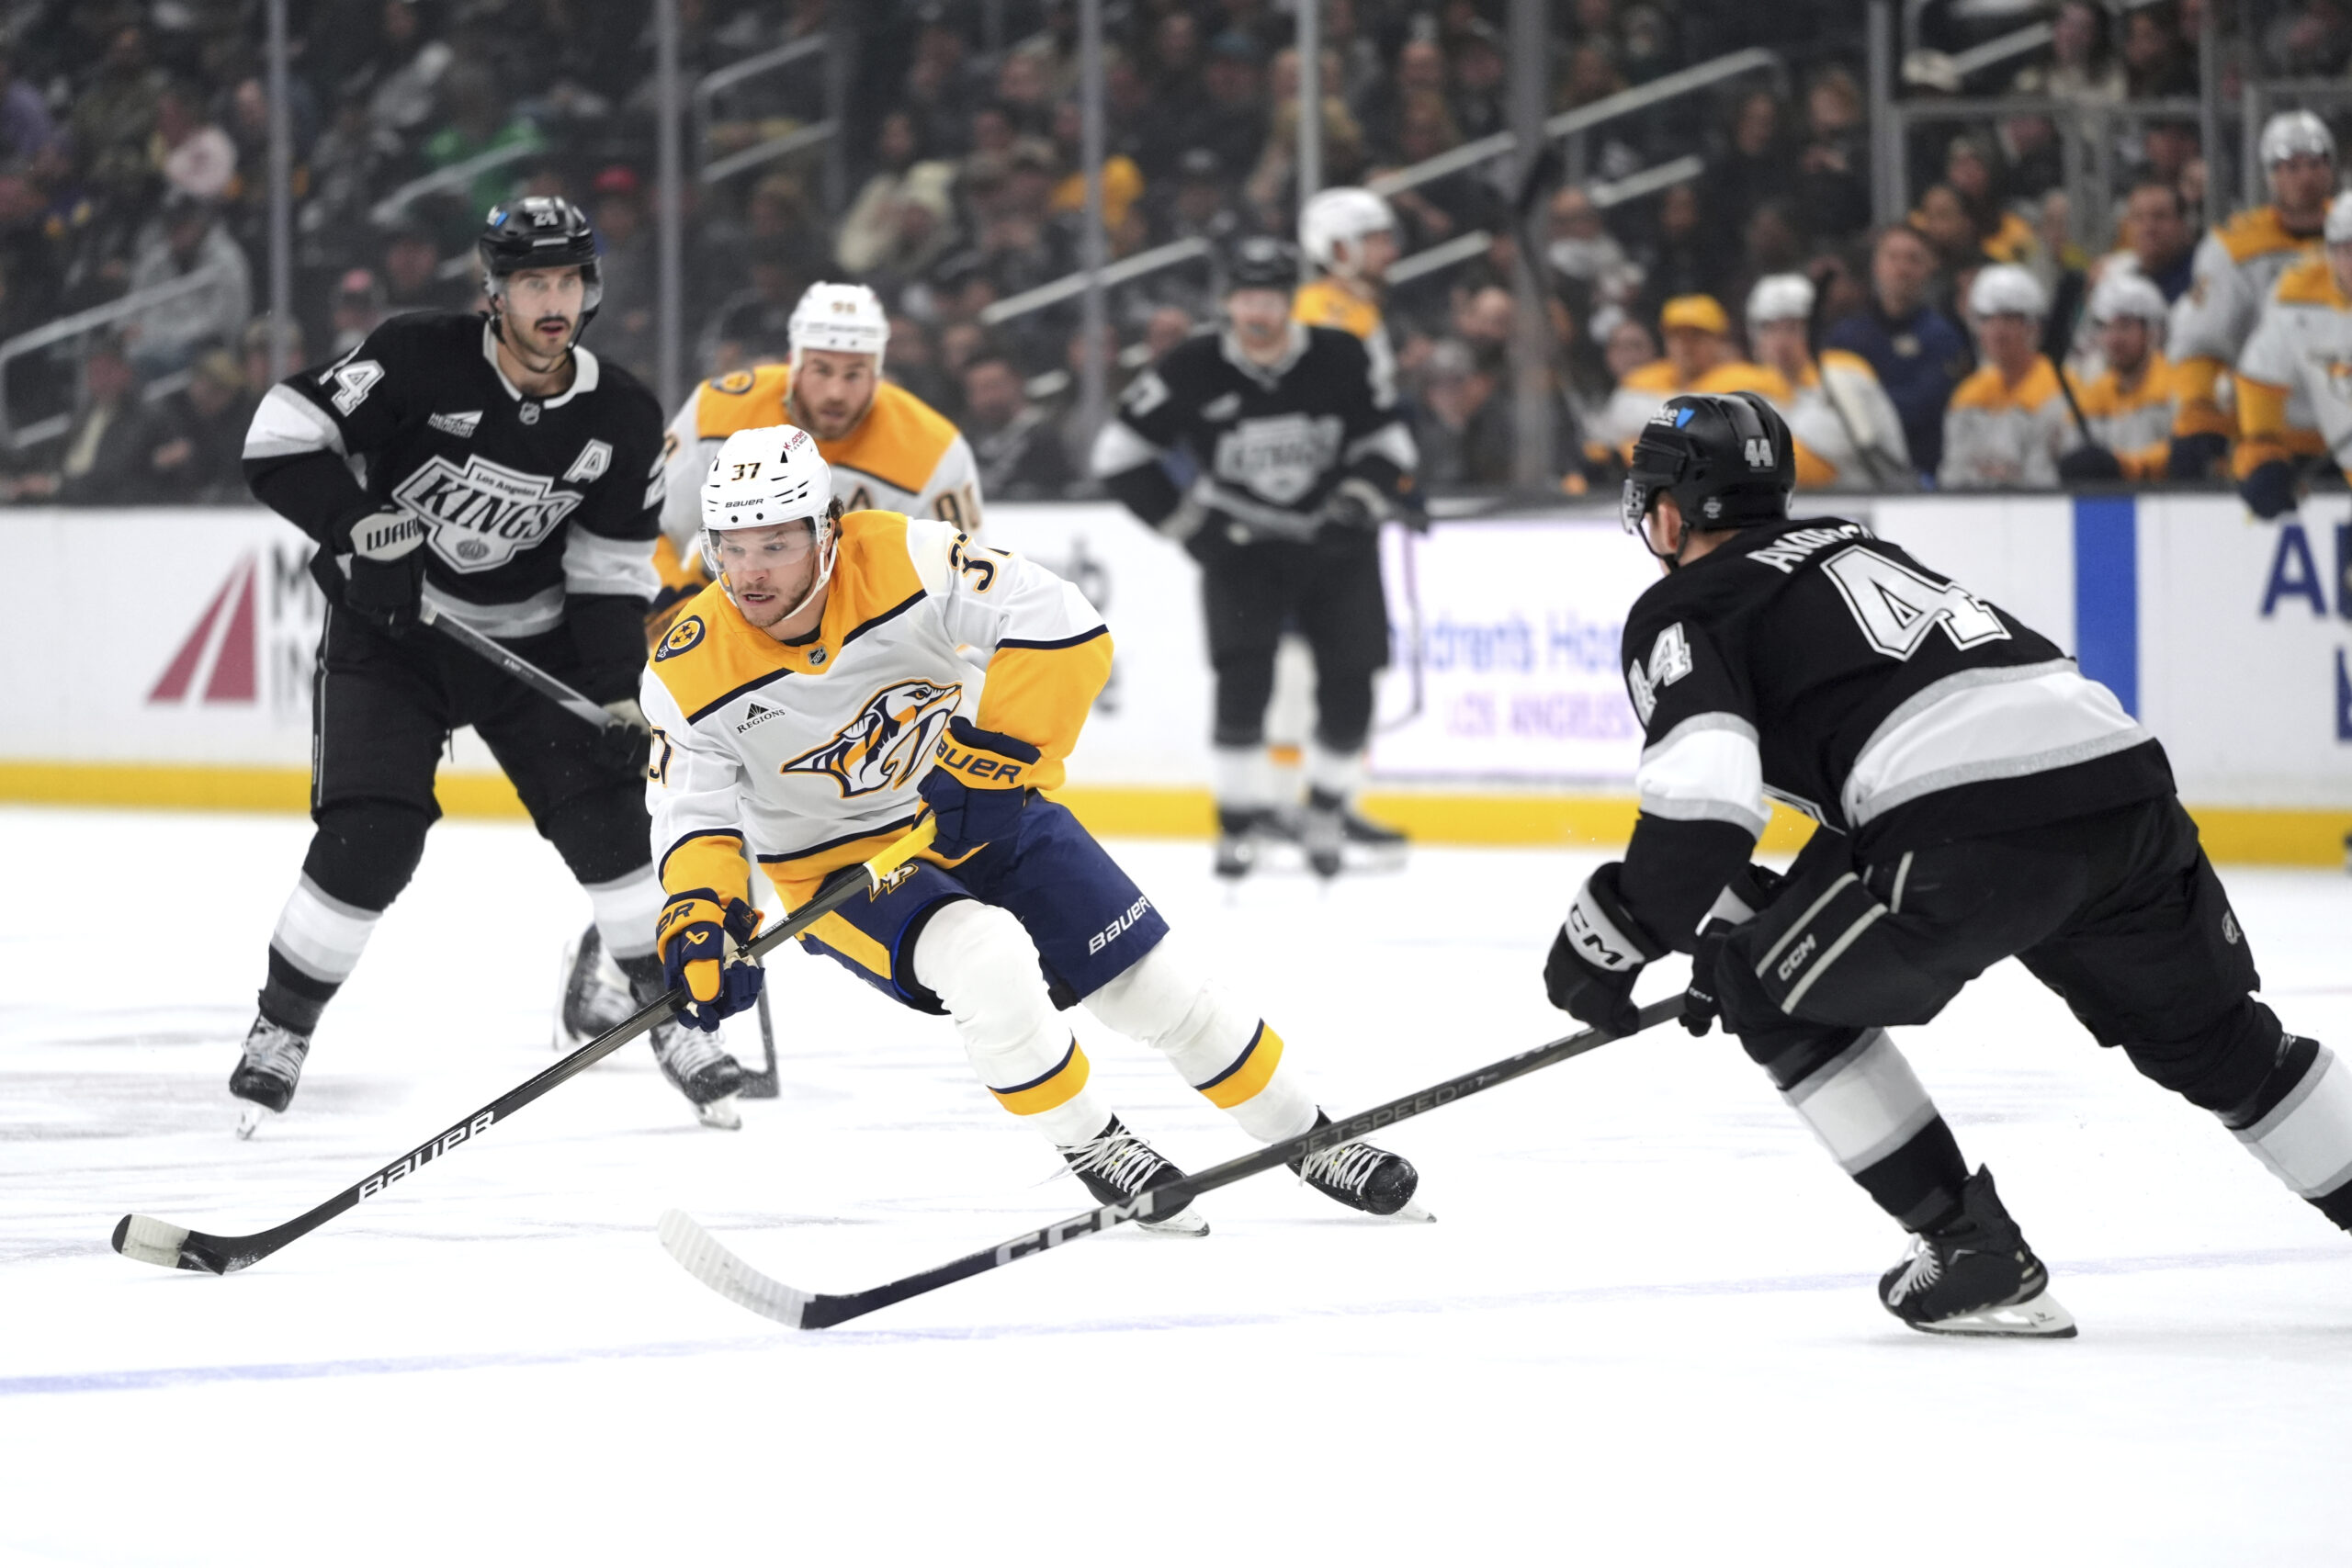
{"x":523,"y":669}
{"x":174,"y":1247}
{"x":707,"y":1260}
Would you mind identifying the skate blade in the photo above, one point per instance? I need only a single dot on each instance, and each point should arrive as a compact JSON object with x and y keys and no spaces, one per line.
{"x":2041,"y":1318}
{"x":721,"y":1113}
{"x":250,"y":1119}
{"x":1185,"y":1225}
{"x":1412,"y":1214}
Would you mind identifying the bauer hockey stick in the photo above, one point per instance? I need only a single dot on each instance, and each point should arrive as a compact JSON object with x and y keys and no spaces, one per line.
{"x":174,"y":1247}
{"x":707,"y":1260}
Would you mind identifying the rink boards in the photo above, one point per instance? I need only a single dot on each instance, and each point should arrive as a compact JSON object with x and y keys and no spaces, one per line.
{"x":180,"y":675}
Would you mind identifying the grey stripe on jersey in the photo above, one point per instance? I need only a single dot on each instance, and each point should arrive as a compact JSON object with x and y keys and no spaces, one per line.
{"x":287,"y":424}
{"x":542,"y":611}
{"x":595,"y":564}
{"x":1706,"y":769}
{"x":1985,"y":724}
{"x":1391,"y":441}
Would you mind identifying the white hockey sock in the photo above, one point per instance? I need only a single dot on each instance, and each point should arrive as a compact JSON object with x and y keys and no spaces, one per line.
{"x":321,"y":935}
{"x":628,"y":909}
{"x":1863,"y":1103}
{"x":983,"y":968}
{"x":1231,"y":1055}
{"x":1241,"y":776}
{"x":2306,"y":1139}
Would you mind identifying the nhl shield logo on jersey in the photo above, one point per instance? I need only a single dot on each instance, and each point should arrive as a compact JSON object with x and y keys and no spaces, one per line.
{"x":885,"y":745}
{"x":680,"y":637}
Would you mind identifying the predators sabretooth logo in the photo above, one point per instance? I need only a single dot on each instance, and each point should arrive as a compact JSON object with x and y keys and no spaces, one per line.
{"x":885,"y":745}
{"x":484,"y":515}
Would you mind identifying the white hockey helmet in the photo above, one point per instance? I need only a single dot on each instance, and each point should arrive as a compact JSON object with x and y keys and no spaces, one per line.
{"x":2122,"y":294}
{"x":765,"y":477}
{"x":842,"y":318}
{"x":1341,"y":216}
{"x":2338,"y":227}
{"x":2006,"y":290}
{"x":2294,"y":133}
{"x":1782,"y":297}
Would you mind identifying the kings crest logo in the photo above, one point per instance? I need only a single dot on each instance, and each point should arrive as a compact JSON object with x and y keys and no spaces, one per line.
{"x":888,"y":741}
{"x":484,"y":515}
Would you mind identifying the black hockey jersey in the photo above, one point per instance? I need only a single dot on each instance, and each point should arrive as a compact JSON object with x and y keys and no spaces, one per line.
{"x":1269,"y":442}
{"x":1817,"y":665}
{"x":527,"y":500}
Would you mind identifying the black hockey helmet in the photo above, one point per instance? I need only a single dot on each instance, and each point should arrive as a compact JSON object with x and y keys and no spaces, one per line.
{"x":1727,"y":460}
{"x":1262,"y":262}
{"x":536,"y":232}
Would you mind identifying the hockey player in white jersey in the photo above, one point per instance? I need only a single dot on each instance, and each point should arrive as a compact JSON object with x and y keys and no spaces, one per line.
{"x":812,"y":704}
{"x":2236,"y":265}
{"x":1849,"y":435}
{"x":2294,"y":394}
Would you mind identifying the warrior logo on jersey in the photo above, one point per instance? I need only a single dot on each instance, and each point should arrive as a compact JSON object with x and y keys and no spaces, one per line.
{"x":1280,"y":458}
{"x":888,"y":741}
{"x":484,"y":514}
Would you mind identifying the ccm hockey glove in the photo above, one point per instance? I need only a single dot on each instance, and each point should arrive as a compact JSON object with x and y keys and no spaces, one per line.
{"x":701,"y":939}
{"x":383,"y":568}
{"x":977,"y":783}
{"x":1748,"y":893}
{"x":1596,"y":956}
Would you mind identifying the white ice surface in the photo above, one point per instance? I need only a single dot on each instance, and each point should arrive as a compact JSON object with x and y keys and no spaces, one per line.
{"x":1642,"y":1331}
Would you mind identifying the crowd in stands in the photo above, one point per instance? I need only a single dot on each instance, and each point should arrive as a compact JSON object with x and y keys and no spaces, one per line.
{"x":134,"y":150}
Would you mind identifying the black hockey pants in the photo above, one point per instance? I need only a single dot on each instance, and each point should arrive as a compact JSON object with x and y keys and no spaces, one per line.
{"x":1330,"y":591}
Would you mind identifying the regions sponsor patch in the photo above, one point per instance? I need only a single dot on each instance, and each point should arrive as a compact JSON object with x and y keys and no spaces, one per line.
{"x":759,"y":713}
{"x":680,"y":637}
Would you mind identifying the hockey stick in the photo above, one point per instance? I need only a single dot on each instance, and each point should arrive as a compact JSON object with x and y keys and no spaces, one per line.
{"x":707,"y":1260}
{"x":762,"y":1084}
{"x":174,"y":1246}
{"x":523,"y":669}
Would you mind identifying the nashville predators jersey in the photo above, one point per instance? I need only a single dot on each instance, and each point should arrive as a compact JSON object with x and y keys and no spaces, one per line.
{"x":2135,"y":422}
{"x":2295,"y":377}
{"x":1998,"y":437}
{"x":1327,"y":303}
{"x":2235,"y":269}
{"x":1647,"y":387}
{"x":805,"y":756}
{"x":904,"y":456}
{"x":1848,"y":434}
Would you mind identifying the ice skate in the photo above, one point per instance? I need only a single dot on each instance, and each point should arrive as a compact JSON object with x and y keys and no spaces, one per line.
{"x":1366,"y":845}
{"x":265,"y":1078}
{"x":1116,"y":1165}
{"x":1323,"y":834}
{"x":1238,"y":828}
{"x":1364,"y":1178}
{"x":703,"y":1071}
{"x":1975,"y":1275}
{"x":595,"y":995}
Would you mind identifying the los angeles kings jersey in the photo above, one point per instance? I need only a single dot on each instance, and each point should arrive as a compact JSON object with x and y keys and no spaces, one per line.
{"x":807,"y":755}
{"x":525,"y":499}
{"x":1272,"y":442}
{"x":1814,"y":664}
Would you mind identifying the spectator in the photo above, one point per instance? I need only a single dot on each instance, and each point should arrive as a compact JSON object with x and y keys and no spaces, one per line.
{"x":1918,"y":355}
{"x":203,"y":460}
{"x":479,"y":121}
{"x":28,"y":133}
{"x":1200,"y":204}
{"x":2156,"y":63}
{"x":411,"y":274}
{"x":1832,"y":188}
{"x":2159,"y":244}
{"x":625,"y":323}
{"x":1020,"y":454}
{"x":1465,"y":436}
{"x":903,"y":217}
{"x":1942,"y":219}
{"x":1480,"y":67}
{"x":1755,"y":168}
{"x":1587,"y":264}
{"x":109,"y":455}
{"x":913,"y":363}
{"x":1685,"y":256}
{"x":188,"y":240}
{"x":1700,"y":357}
{"x":114,"y":113}
{"x":2007,"y":423}
{"x":1971,"y":171}
{"x":254,"y":348}
{"x":1629,"y":347}
{"x":2083,"y":68}
{"x":753,"y":326}
{"x":938,"y":90}
{"x":356,"y":309}
{"x":1123,"y":182}
{"x":196,"y":158}
{"x":1420,"y":73}
{"x":1848,"y":434}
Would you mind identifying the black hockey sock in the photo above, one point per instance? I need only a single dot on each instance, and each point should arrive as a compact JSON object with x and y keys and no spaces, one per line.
{"x":293,"y":1000}
{"x":1919,"y":1183}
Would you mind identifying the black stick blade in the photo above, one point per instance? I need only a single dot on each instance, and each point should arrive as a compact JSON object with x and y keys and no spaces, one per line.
{"x":165,"y":1245}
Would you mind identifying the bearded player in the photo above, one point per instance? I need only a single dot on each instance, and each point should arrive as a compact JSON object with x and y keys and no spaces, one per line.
{"x":812,"y":705}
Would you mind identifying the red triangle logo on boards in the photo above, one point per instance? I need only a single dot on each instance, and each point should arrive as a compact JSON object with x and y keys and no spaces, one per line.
{"x":222,"y":653}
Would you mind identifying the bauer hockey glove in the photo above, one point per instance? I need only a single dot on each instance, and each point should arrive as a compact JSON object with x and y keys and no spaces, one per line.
{"x":1596,"y":956}
{"x":701,"y":939}
{"x":977,"y":783}
{"x":1742,"y":898}
{"x":383,"y":568}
